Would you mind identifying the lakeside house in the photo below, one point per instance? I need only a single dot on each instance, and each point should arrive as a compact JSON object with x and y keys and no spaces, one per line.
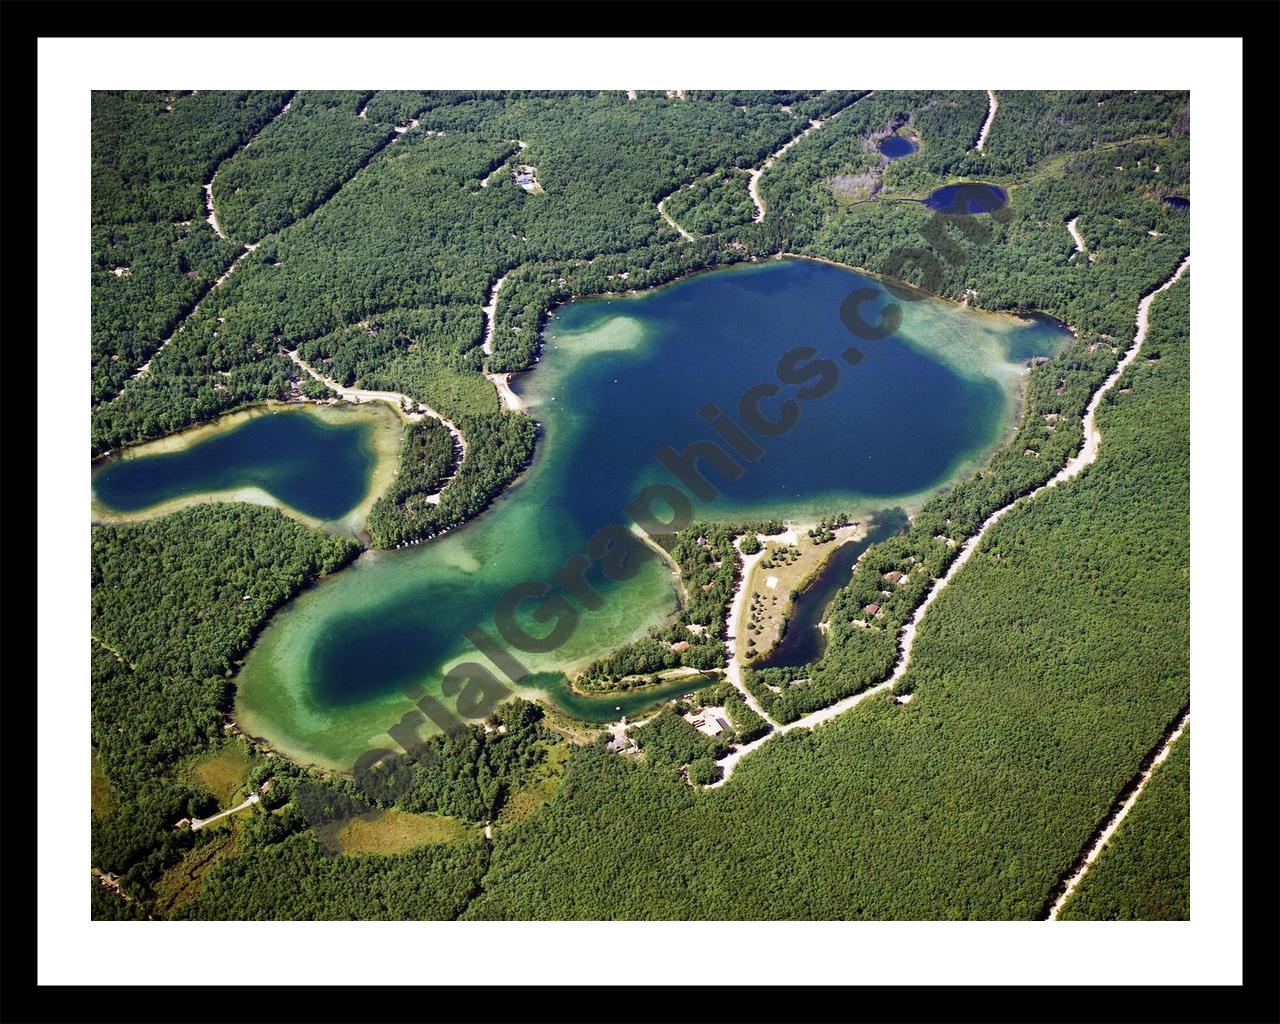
{"x":893,"y":577}
{"x":873,"y":609}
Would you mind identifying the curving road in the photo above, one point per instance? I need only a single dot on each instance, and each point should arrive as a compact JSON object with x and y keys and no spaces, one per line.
{"x":416,"y":409}
{"x":198,"y":823}
{"x":814,"y":125}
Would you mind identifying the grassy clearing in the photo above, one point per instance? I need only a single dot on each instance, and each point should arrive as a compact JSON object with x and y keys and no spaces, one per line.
{"x":396,"y":831}
{"x":570,"y":728}
{"x":103,"y":799}
{"x":541,"y":788}
{"x":184,"y":880}
{"x":221,"y":773}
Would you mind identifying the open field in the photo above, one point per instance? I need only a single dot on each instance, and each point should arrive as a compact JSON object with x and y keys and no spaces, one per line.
{"x":103,"y":798}
{"x":540,"y":789}
{"x":222,"y":773}
{"x":395,"y":831}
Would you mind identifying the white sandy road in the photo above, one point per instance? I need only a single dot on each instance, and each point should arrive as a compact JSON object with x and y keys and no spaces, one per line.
{"x":992,"y":106}
{"x":753,"y":184}
{"x":733,"y":670}
{"x":1079,"y":238}
{"x":753,"y":181}
{"x":407,"y":407}
{"x":194,"y":309}
{"x":662,"y":209}
{"x":489,"y":311}
{"x":198,"y":823}
{"x":501,"y":381}
{"x":208,"y":188}
{"x":1114,"y":823}
{"x":1087,"y":455}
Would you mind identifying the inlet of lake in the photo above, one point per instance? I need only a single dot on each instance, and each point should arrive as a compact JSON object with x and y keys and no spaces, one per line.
{"x":323,"y":464}
{"x":619,"y":378}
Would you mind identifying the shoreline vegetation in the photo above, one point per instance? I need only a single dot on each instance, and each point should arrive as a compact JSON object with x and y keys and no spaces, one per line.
{"x":538,"y":284}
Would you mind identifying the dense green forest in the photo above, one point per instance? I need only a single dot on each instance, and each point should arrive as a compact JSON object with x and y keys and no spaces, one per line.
{"x":668,"y":741}
{"x":471,"y":774}
{"x":713,"y":204}
{"x":1144,"y":871}
{"x":153,"y":253}
{"x":1042,"y":675}
{"x":427,"y":459}
{"x":431,"y":883}
{"x":174,"y":602}
{"x":296,"y":163}
{"x":413,"y":229}
{"x":432,"y":353}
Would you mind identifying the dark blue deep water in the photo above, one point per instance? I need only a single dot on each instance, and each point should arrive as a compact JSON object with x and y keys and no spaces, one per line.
{"x":318,"y":468}
{"x":967,"y":197}
{"x":897,"y":146}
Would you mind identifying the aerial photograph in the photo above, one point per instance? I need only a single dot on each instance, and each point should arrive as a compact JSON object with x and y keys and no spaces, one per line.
{"x":639,"y":505}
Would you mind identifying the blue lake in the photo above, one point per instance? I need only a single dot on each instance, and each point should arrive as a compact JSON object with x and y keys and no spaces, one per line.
{"x":895,"y":147}
{"x":319,"y":462}
{"x":969,"y":197}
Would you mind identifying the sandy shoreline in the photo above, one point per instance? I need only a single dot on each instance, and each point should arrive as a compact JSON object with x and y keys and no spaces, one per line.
{"x":510,"y":400}
{"x":386,"y":443}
